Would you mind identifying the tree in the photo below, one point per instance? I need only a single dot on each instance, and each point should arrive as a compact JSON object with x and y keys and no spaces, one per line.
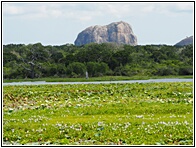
{"x":187,"y":55}
{"x":57,"y":56}
{"x":76,"y":69}
{"x":92,"y":68}
{"x":36,"y":60}
{"x":32,"y":59}
{"x":97,"y":69}
{"x":102,"y":69}
{"x":8,"y":57}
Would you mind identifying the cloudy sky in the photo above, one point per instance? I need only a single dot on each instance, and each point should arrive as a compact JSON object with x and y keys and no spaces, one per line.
{"x":58,"y":23}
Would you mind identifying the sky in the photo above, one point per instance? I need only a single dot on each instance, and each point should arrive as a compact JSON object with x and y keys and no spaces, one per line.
{"x":59,"y":23}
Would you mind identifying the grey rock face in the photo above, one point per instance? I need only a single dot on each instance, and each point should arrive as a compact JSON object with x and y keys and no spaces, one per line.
{"x":118,"y":32}
{"x":186,"y":41}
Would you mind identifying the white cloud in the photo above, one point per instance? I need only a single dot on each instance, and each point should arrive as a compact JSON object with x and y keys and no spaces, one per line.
{"x":12,"y":9}
{"x":31,"y":10}
{"x":185,"y":7}
{"x":88,"y":11}
{"x":148,"y":9}
{"x":173,"y":8}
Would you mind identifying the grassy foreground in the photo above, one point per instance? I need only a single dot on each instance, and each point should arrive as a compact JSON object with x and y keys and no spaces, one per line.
{"x":104,"y":78}
{"x":99,"y":114}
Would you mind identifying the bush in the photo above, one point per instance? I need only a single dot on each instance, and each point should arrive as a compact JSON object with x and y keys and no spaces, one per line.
{"x":186,"y":70}
{"x":164,"y":71}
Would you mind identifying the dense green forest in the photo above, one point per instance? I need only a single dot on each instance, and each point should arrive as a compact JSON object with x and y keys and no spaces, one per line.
{"x":106,"y":59}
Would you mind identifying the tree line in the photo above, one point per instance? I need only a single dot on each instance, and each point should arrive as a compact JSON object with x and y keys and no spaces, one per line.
{"x":38,"y":61}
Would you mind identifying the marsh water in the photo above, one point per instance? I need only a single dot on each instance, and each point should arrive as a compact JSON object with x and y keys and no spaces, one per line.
{"x":100,"y":82}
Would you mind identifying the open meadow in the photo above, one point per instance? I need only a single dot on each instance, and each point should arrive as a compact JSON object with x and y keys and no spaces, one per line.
{"x":99,"y":114}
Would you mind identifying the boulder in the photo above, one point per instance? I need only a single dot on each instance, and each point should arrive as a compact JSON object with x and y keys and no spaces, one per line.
{"x":186,"y":41}
{"x":117,"y":32}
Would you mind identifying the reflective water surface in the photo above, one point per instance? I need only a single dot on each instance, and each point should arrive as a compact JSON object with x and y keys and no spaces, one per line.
{"x":101,"y":82}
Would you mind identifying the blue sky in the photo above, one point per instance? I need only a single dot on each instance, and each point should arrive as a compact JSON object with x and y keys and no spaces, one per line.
{"x":58,"y":23}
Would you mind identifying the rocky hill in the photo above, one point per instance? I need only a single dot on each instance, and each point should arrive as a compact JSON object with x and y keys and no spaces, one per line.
{"x":186,"y":41}
{"x":117,"y":32}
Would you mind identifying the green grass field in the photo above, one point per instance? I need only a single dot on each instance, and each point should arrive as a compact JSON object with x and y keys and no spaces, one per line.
{"x":99,"y":114}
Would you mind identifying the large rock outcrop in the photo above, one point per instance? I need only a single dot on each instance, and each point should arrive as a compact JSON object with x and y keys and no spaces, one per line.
{"x":186,"y":41}
{"x":118,"y":32}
